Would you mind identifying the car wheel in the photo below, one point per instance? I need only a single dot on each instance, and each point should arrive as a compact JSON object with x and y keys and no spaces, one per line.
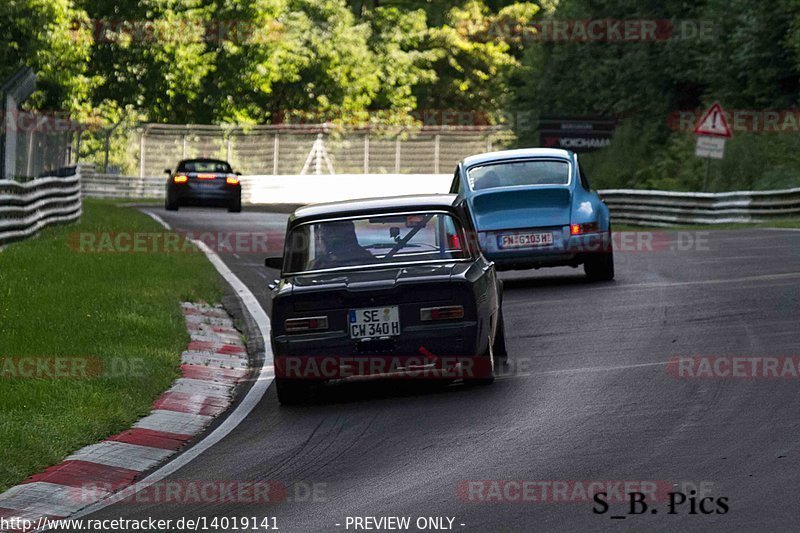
{"x":236,"y":205}
{"x":170,"y":204}
{"x":499,"y":347}
{"x":294,"y":391}
{"x":600,"y":267}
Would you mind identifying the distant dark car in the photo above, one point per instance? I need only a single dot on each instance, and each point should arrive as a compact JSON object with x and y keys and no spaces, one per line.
{"x":534,"y":208}
{"x":389,"y":287}
{"x":203,"y":182}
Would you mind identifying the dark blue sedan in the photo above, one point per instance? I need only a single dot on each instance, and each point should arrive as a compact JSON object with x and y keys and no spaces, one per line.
{"x":203,"y":182}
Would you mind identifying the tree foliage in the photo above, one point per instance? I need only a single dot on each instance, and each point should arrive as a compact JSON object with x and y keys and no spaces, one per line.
{"x":741,"y":53}
{"x":153,"y":57}
{"x":49,"y":36}
{"x":262,"y":61}
{"x":471,"y":67}
{"x":257,"y":61}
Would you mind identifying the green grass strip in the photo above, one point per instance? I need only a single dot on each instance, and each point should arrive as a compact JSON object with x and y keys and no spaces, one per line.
{"x":119,"y":312}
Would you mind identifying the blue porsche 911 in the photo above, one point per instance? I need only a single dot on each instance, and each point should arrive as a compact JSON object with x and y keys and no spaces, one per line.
{"x":534,"y":208}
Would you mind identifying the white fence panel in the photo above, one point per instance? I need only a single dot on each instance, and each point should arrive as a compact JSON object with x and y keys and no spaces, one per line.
{"x":628,"y":206}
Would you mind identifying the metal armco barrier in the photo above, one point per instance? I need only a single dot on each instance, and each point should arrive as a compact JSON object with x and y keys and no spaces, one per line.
{"x":27,"y":207}
{"x":666,"y":208}
{"x":109,"y":186}
{"x":628,"y":206}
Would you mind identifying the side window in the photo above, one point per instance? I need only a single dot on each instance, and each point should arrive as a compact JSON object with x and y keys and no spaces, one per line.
{"x":455,"y":186}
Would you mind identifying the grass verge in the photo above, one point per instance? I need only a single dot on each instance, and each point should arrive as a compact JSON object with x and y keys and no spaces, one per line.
{"x":114,"y":322}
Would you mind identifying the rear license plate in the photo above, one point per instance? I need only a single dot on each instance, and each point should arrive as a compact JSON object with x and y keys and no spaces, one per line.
{"x":374,"y":322}
{"x":524,"y":240}
{"x":207,"y":185}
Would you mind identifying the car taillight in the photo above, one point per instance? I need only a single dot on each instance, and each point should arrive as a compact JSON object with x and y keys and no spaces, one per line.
{"x":449,"y":312}
{"x":232,"y":179}
{"x":312,"y":323}
{"x":578,"y":229}
{"x":206,"y":176}
{"x":180,"y":178}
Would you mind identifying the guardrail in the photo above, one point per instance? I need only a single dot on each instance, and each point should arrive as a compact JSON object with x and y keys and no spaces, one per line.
{"x":628,"y":206}
{"x":113,"y":186}
{"x":667,"y":208}
{"x":27,"y":207}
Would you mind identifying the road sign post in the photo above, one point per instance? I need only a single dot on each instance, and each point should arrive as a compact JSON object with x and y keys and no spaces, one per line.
{"x":712,"y":131}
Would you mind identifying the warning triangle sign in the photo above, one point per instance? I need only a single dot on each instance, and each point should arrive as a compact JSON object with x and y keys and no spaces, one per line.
{"x":713,"y":122}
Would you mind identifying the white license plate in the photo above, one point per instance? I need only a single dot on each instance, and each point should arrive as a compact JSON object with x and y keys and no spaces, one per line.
{"x":524,"y":240}
{"x":374,"y":322}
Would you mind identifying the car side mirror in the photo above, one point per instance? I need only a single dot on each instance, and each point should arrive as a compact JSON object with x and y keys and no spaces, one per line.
{"x":274,"y":262}
{"x":167,"y":171}
{"x":238,"y":173}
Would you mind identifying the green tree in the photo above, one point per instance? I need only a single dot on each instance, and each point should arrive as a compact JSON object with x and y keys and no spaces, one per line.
{"x":398,"y":38}
{"x":250,"y":57}
{"x":753,"y":62}
{"x":50,"y":36}
{"x":313,"y":59}
{"x":155,"y":59}
{"x":326,"y":64}
{"x":472,"y":64}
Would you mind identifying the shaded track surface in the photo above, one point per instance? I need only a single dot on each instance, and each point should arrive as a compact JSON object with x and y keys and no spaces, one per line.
{"x":586,"y":396}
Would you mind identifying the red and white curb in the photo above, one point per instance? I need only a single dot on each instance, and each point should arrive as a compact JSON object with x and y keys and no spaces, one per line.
{"x":214,"y":362}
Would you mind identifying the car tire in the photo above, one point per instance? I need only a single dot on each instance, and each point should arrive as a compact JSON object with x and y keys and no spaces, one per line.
{"x":486,"y":377}
{"x":170,"y":204}
{"x":499,"y":347}
{"x":235,"y":205}
{"x":600,"y":267}
{"x":294,"y":391}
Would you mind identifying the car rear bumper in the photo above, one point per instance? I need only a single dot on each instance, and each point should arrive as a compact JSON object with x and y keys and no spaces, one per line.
{"x":420,"y":351}
{"x":189,"y":195}
{"x":566,"y":250}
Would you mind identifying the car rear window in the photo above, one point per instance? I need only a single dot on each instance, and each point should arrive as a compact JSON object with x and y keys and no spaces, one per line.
{"x":512,"y":173}
{"x":376,"y":240}
{"x":204,"y":166}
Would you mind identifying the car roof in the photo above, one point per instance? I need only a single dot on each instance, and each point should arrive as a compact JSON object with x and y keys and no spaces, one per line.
{"x":523,"y":153}
{"x":203,"y":160}
{"x":371,"y":206}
